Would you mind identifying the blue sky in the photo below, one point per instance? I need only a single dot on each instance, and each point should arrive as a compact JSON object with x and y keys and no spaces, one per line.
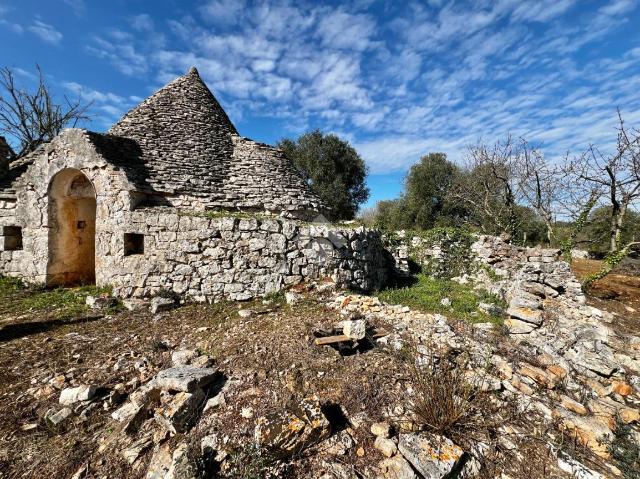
{"x":398,"y":79}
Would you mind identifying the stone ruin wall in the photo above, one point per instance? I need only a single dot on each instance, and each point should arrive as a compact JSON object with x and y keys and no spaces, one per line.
{"x":7,"y":218}
{"x":531,"y":277}
{"x":207,"y":259}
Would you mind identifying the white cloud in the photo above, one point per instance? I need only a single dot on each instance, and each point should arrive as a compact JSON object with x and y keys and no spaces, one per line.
{"x":122,"y":54}
{"x":618,"y":7}
{"x":339,"y":29}
{"x":390,"y":154}
{"x":142,"y":22}
{"x":222,"y":12}
{"x":106,"y":107}
{"x":46,"y":32}
{"x":415,"y":79}
{"x":541,"y":10}
{"x":78,"y":7}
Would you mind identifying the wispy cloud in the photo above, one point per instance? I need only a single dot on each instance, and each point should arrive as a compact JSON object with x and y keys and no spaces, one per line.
{"x":106,"y":107}
{"x":6,"y":23}
{"x":118,"y":48}
{"x":46,"y":32}
{"x":142,"y":22}
{"x":78,"y":7}
{"x":401,"y":79}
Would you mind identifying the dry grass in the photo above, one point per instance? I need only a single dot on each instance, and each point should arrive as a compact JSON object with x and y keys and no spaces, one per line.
{"x":446,"y":403}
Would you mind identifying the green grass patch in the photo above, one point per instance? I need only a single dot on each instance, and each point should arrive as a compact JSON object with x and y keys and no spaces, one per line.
{"x":60,"y":303}
{"x":427,"y":292}
{"x":10,"y":285}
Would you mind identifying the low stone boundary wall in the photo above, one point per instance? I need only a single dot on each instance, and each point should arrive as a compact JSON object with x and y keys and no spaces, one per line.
{"x":240,"y":258}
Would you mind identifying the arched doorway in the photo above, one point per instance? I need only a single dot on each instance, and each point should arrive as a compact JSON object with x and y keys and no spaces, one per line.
{"x":72,"y":229}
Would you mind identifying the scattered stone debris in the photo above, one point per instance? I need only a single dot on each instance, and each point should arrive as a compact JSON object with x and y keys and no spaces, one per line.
{"x":102,"y":302}
{"x":160,"y":304}
{"x":71,"y":396}
{"x":432,"y":456}
{"x":287,"y":432}
{"x":56,"y":418}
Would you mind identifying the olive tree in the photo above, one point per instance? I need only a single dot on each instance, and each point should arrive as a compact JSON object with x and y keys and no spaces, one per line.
{"x":332,"y":168}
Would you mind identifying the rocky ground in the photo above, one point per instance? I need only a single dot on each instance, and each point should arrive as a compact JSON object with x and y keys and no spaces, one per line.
{"x":243,"y":390}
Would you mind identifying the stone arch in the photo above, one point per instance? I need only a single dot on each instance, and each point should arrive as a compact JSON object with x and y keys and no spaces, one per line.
{"x":72,"y":229}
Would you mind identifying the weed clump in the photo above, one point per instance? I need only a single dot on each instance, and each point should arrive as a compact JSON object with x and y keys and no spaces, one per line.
{"x":446,"y":403}
{"x":625,"y":451}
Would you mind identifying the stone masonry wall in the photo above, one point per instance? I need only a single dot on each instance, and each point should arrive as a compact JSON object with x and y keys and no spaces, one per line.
{"x":240,"y":258}
{"x":201,"y":257}
{"x":72,"y":149}
{"x":531,"y":277}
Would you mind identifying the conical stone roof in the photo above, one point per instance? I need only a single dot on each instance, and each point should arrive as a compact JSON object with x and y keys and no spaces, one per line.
{"x":184,"y":135}
{"x":189,"y":149}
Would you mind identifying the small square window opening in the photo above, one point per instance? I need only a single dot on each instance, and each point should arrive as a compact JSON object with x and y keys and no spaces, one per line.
{"x":12,"y":238}
{"x":133,"y":244}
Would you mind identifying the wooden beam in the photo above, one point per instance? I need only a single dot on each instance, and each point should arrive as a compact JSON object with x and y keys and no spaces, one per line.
{"x":331,"y":340}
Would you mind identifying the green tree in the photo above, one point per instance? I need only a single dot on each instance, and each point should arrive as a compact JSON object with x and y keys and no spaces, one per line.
{"x":596,"y":235}
{"x":390,"y":214}
{"x":426,"y":201}
{"x":332,"y":168}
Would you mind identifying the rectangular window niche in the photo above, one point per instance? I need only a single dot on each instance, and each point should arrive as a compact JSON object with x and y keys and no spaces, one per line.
{"x":11,"y":238}
{"x":133,"y":244}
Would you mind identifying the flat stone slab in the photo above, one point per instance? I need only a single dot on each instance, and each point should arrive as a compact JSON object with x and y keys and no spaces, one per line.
{"x":73,"y":395}
{"x":434,"y":457}
{"x":184,"y":378}
{"x":528,"y":315}
{"x":515,"y":326}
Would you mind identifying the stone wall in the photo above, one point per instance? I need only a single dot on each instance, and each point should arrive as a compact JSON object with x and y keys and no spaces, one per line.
{"x":531,"y":277}
{"x":9,"y":257}
{"x":207,"y":258}
{"x":202,"y":257}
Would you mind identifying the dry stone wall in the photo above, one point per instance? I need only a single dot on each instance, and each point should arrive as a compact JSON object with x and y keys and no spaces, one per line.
{"x":207,"y":258}
{"x":531,"y":277}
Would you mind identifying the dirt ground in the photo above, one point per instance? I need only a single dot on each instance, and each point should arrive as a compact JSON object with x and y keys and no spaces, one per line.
{"x":43,"y":351}
{"x":262,"y":355}
{"x":617,"y":293}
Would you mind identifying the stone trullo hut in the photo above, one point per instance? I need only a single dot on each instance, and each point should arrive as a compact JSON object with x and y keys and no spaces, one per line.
{"x":129,"y":208}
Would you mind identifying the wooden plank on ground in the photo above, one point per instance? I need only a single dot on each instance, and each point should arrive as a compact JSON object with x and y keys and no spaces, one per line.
{"x":331,"y":340}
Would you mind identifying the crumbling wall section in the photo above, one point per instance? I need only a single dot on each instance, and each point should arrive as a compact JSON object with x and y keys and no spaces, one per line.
{"x":529,"y":279}
{"x":206,"y":259}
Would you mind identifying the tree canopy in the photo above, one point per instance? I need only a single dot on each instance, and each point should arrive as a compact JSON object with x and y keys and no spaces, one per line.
{"x":426,"y":200}
{"x":332,"y":168}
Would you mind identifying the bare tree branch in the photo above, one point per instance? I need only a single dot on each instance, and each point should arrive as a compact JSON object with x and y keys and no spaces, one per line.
{"x":30,"y":119}
{"x":616,"y":176}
